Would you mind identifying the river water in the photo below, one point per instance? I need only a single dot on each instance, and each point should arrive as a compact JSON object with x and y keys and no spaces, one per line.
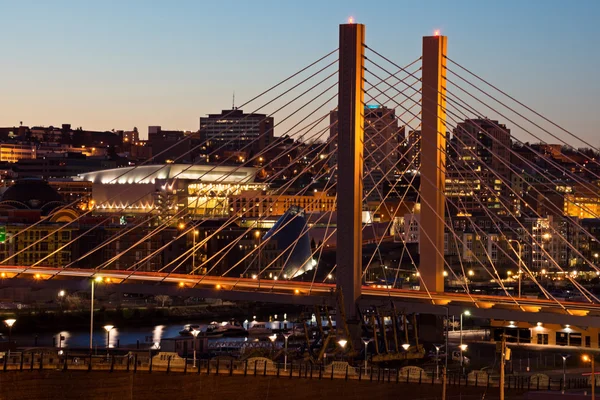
{"x":119,"y":337}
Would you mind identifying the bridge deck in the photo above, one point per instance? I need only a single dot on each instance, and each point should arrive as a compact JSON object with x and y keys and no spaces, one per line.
{"x":284,"y":291}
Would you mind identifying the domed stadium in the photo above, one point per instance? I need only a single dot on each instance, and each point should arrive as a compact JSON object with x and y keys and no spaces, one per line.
{"x":31,"y":194}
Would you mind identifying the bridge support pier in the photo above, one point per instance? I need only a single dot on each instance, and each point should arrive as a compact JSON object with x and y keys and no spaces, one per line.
{"x":350,"y":169}
{"x":433,"y":164}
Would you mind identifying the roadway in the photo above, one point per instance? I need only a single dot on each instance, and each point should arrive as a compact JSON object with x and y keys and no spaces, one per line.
{"x":295,"y":292}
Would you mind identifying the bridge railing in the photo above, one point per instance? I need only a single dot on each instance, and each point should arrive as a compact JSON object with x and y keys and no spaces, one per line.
{"x":260,"y":367}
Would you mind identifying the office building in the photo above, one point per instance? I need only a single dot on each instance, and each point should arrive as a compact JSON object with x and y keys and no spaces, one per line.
{"x":236,"y":130}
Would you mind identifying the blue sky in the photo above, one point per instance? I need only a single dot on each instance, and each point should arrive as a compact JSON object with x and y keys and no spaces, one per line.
{"x":118,"y":64}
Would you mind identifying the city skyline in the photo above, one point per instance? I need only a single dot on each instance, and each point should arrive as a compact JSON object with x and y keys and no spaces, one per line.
{"x":154,"y":65}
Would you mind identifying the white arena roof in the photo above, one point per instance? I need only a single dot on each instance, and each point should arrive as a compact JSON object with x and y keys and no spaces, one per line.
{"x":146,"y":174}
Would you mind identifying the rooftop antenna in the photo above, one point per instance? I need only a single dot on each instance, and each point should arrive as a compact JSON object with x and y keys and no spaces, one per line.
{"x":233,"y":102}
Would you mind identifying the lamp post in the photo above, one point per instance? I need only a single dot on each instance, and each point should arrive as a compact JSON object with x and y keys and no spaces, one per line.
{"x":9,"y":323}
{"x":194,"y":234}
{"x":590,"y":359}
{"x":61,"y":297}
{"x":195,"y":333}
{"x":564,"y":357}
{"x":519,"y":272}
{"x":257,"y":235}
{"x":108,"y":328}
{"x":462,"y":346}
{"x":273,"y":338}
{"x":366,"y":342}
{"x":98,"y":279}
{"x":286,"y":336}
{"x":437,"y":360}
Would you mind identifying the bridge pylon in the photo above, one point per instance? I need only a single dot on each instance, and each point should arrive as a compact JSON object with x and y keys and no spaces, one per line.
{"x":350,"y":167}
{"x":433,"y":164}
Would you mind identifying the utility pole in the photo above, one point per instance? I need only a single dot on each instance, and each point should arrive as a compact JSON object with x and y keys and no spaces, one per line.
{"x":593,"y":380}
{"x":444,"y":382}
{"x":503,"y":355}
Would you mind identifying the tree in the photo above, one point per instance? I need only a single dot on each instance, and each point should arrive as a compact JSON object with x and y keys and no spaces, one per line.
{"x":73,"y":301}
{"x":162,"y":298}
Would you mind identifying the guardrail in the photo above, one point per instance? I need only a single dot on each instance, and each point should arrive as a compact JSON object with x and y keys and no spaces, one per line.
{"x":132,"y":363}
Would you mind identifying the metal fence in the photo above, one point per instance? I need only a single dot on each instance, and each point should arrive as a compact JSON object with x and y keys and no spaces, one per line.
{"x":133,"y":363}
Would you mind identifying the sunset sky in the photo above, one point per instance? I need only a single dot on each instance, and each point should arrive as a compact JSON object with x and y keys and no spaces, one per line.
{"x":118,"y":64}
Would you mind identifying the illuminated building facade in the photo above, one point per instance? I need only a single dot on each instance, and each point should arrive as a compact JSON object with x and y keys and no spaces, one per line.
{"x":33,"y":216}
{"x":256,"y":205}
{"x":14,"y":152}
{"x":546,"y":334}
{"x":202,"y":190}
{"x":582,"y":205}
{"x":468,"y":192}
{"x":484,"y":146}
{"x":50,"y":252}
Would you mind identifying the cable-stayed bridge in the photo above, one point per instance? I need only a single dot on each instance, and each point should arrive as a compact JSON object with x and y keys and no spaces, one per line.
{"x":455,"y":208}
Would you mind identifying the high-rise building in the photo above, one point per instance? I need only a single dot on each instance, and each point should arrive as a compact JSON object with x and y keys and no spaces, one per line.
{"x":483,"y":146}
{"x":169,"y":146}
{"x":412,"y":153}
{"x":236,"y":130}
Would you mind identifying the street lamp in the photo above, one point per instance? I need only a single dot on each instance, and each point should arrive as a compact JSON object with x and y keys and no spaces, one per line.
{"x":273,"y":338}
{"x":406,"y":346}
{"x":61,"y":297}
{"x":342,"y":343}
{"x":195,"y":233}
{"x":564,"y":357}
{"x":462,"y":346}
{"x":437,"y":360}
{"x":520,"y":246}
{"x":590,"y":359}
{"x":98,"y":279}
{"x":257,"y":235}
{"x":108,"y":328}
{"x":9,"y":322}
{"x":366,"y":342}
{"x":286,"y":336}
{"x":195,"y":333}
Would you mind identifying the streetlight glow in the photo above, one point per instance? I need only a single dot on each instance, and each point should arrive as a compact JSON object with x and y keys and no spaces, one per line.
{"x":10,"y":322}
{"x":342,"y":343}
{"x":406,"y":346}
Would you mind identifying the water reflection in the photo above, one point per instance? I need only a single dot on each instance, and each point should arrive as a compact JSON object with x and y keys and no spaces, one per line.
{"x":112,"y":338}
{"x":62,"y":339}
{"x":157,"y":335}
